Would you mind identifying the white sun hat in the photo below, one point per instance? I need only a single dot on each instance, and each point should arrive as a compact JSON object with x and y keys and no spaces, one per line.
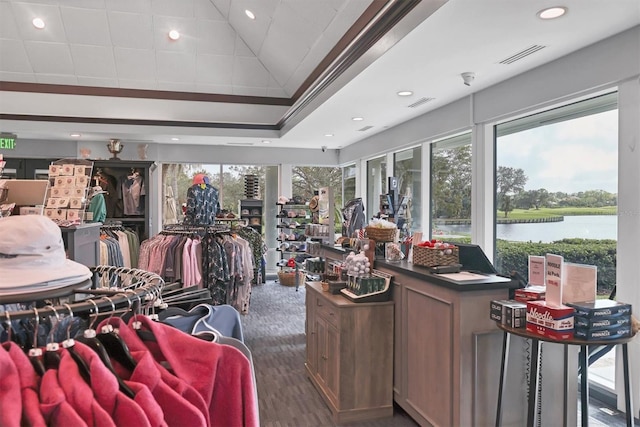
{"x":33,"y":259}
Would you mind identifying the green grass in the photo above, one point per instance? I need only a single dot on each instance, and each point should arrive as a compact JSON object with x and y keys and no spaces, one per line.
{"x":554,"y":212}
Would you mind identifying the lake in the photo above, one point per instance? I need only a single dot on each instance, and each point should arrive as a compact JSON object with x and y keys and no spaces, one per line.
{"x":585,"y":227}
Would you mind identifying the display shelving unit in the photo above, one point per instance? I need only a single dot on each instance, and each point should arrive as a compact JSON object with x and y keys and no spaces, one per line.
{"x":292,"y":220}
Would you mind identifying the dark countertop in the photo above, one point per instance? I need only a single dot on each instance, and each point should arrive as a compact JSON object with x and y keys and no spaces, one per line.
{"x":490,"y":282}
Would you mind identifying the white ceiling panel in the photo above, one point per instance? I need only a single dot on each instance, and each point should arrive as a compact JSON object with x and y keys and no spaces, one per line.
{"x":86,"y":26}
{"x":253,"y":32}
{"x":176,"y":67}
{"x":8,"y":25}
{"x":223,"y":7}
{"x":241,"y":48}
{"x":181,"y":8}
{"x":135,"y":64}
{"x":133,"y":6}
{"x":49,"y":58}
{"x":249,"y":90}
{"x":318,"y":13}
{"x":214,"y":69}
{"x":138,"y":84}
{"x":57,"y":79}
{"x":249,"y":72}
{"x":133,"y":30}
{"x":188,"y":33}
{"x":53,"y":30}
{"x":93,"y":61}
{"x":177,"y":86}
{"x":13,"y":57}
{"x":212,"y":88}
{"x":281,"y":53}
{"x":205,"y":9}
{"x":215,"y":37}
{"x":87,"y":4}
{"x":95,"y":81}
{"x":17,"y":77}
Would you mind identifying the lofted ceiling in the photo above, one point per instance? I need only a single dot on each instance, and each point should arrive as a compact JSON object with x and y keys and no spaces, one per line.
{"x":301,"y":70}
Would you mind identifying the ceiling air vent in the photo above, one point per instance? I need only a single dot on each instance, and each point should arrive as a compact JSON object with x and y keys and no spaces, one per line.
{"x":522,"y":54}
{"x":419,"y":102}
{"x":364,"y":128}
{"x":245,"y":144}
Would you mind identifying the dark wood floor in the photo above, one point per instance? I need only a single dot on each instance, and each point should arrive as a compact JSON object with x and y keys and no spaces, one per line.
{"x":274,"y":331}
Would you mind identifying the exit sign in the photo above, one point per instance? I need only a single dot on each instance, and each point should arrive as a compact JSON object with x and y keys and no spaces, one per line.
{"x":8,"y":141}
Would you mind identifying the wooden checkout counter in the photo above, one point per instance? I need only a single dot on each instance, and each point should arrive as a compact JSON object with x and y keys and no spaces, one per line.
{"x":446,"y":349}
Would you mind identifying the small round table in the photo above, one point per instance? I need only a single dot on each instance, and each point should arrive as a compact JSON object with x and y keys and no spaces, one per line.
{"x":583,"y":365}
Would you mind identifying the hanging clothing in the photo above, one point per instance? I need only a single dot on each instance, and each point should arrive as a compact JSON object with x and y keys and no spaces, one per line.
{"x":98,"y":208}
{"x":202,"y":205}
{"x":170,"y":211}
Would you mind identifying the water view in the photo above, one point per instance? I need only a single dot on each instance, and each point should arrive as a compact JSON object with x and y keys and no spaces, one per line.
{"x":585,"y":227}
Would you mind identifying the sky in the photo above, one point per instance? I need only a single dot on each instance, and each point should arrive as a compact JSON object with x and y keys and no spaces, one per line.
{"x":571,"y":156}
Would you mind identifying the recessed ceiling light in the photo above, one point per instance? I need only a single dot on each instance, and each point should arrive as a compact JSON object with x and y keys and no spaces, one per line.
{"x":328,"y":134}
{"x":76,"y":135}
{"x":38,"y":23}
{"x":552,"y":12}
{"x":175,"y":139}
{"x":405,"y":93}
{"x":264,"y":141}
{"x":174,"y":35}
{"x":357,"y":119}
{"x":249,"y":14}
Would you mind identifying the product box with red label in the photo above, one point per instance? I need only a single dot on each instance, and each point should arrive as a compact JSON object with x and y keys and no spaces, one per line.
{"x":555,"y":322}
{"x":530,"y":293}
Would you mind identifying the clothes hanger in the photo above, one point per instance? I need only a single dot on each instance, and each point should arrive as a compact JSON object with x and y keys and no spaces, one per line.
{"x":35,"y":352}
{"x":115,"y":346}
{"x":52,"y":355}
{"x":69,"y":344}
{"x":90,"y":340}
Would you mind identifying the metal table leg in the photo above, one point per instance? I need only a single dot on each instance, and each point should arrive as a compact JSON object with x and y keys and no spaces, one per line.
{"x":533,"y":382}
{"x":627,"y":385}
{"x":503,"y":375}
{"x":584,"y":385}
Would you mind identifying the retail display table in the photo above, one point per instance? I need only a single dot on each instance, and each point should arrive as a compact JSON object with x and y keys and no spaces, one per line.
{"x":583,"y":364}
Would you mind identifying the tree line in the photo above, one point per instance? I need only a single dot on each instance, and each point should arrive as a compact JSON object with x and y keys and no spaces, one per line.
{"x":451,"y":188}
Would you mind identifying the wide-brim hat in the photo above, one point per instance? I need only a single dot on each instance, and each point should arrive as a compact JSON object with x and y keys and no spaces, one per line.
{"x":32,"y":257}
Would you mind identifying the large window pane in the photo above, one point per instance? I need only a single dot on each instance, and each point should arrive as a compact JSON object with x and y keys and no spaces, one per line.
{"x":376,"y":184}
{"x":556,"y":192}
{"x":407,"y":168}
{"x":451,"y":188}
{"x":348,"y":183}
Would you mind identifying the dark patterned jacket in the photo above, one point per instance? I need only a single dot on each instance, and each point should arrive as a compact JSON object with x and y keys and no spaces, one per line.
{"x":202,"y":205}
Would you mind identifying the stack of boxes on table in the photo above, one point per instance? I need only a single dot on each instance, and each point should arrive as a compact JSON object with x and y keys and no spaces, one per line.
{"x":543,"y":310}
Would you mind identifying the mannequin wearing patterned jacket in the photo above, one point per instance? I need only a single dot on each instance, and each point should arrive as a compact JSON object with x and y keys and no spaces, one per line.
{"x":202,"y":204}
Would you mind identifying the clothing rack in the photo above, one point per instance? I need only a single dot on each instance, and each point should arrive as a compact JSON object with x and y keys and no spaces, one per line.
{"x":135,"y":288}
{"x":200,"y":229}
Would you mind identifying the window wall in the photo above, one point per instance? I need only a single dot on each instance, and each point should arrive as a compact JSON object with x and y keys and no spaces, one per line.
{"x":407,"y":168}
{"x":376,"y":184}
{"x":556,"y":192}
{"x":451,"y":188}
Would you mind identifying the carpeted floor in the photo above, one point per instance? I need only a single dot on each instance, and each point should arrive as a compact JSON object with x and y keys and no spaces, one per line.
{"x":274,"y":331}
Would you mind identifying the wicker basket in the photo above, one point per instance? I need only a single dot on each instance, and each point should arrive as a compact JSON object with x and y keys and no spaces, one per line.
{"x":380,"y":234}
{"x":287,"y":278}
{"x":431,"y":257}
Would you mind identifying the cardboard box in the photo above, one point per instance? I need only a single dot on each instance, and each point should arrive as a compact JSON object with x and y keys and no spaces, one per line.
{"x":508,"y":312}
{"x":600,"y":308}
{"x":598,"y":323}
{"x":550,"y":321}
{"x":530,"y":293}
{"x":549,"y":333}
{"x":613,"y":333}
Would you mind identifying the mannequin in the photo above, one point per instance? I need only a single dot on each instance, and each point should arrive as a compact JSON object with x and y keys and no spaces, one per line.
{"x":97,"y":205}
